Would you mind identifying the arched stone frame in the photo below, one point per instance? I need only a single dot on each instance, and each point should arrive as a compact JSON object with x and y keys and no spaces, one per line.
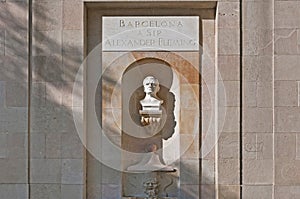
{"x":187,"y":65}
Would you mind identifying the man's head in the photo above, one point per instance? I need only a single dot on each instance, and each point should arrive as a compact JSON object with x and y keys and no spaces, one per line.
{"x":151,"y":85}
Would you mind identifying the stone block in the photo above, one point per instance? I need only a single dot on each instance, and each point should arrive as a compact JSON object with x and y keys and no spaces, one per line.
{"x":73,"y":15}
{"x":189,"y":96}
{"x":189,"y":192}
{"x":265,"y":146}
{"x":17,"y":145}
{"x":228,"y":146}
{"x":286,"y":42}
{"x":286,"y":67}
{"x":72,"y":192}
{"x":258,"y":68}
{"x":229,"y":41}
{"x":250,"y":146}
{"x":94,"y":191}
{"x":286,"y":172}
{"x":72,"y":171}
{"x":297,"y":146}
{"x":287,"y":119}
{"x":232,"y":119}
{"x":257,"y":172}
{"x":229,"y":191}
{"x":111,"y":191}
{"x":54,"y":94}
{"x":110,"y":176}
{"x":258,"y":14}
{"x":229,"y":67}
{"x":3,"y":145}
{"x":208,"y":171}
{"x":258,"y":42}
{"x":258,"y":120}
{"x":53,"y":146}
{"x":264,"y":94}
{"x":38,"y":94}
{"x":37,"y":145}
{"x":47,"y":43}
{"x":45,"y":191}
{"x":73,"y":42}
{"x":71,"y":146}
{"x":93,"y":170}
{"x":207,"y":191}
{"x":189,"y":172}
{"x":47,"y":69}
{"x":285,"y":146}
{"x":228,"y":15}
{"x":71,"y":66}
{"x":13,"y":69}
{"x":16,"y":43}
{"x":2,"y":42}
{"x":250,"y":94}
{"x":228,"y":172}
{"x":287,"y":15}
{"x":13,"y":171}
{"x":16,"y":94}
{"x":189,"y":121}
{"x":45,"y":171}
{"x":15,"y":191}
{"x":47,"y":15}
{"x":232,"y":93}
{"x":286,"y":93}
{"x":189,"y":146}
{"x":257,"y":192}
{"x":287,"y":192}
{"x":15,"y":16}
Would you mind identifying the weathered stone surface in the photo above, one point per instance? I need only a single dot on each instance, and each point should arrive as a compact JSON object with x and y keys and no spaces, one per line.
{"x":229,"y":67}
{"x":286,"y":67}
{"x":45,"y":191}
{"x":264,"y":94}
{"x":258,"y":14}
{"x":228,"y":15}
{"x":257,"y":68}
{"x":231,"y":123}
{"x":72,"y":147}
{"x":111,"y":191}
{"x":207,"y":191}
{"x":47,"y":68}
{"x":53,"y":146}
{"x":228,"y":41}
{"x":285,"y":172}
{"x":208,"y":171}
{"x":258,"y":171}
{"x":189,"y":192}
{"x":228,"y":172}
{"x":286,"y":93}
{"x":258,"y":120}
{"x":72,"y":15}
{"x":285,"y":146}
{"x":232,"y":93}
{"x":229,"y":191}
{"x":13,"y":171}
{"x":287,"y":119}
{"x":16,"y":191}
{"x":250,"y":94}
{"x":287,"y":192}
{"x":45,"y":171}
{"x":72,"y":171}
{"x":258,"y":192}
{"x":16,"y":94}
{"x":47,"y":43}
{"x":73,"y":42}
{"x":72,"y":191}
{"x":47,"y":15}
{"x":228,"y":146}
{"x":258,"y":42}
{"x":189,"y":172}
{"x":286,"y":42}
{"x":287,"y":15}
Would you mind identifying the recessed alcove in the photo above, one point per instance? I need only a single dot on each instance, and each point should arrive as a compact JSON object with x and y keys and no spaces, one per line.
{"x":179,"y":74}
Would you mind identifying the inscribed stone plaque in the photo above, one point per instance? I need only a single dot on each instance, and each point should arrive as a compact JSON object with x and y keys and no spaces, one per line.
{"x":150,"y":33}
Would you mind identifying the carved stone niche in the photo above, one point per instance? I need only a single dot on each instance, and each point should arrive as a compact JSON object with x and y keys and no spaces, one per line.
{"x":178,"y":75}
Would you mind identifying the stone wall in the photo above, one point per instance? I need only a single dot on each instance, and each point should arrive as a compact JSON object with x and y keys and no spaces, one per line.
{"x":257,"y":155}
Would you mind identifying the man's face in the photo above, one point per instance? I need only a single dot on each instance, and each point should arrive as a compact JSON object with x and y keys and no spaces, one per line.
{"x":150,"y":85}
